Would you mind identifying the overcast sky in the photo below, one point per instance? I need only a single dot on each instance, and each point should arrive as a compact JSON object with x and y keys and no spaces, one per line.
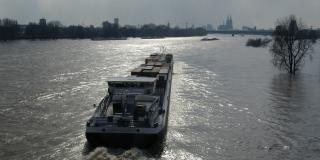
{"x":260,"y":13}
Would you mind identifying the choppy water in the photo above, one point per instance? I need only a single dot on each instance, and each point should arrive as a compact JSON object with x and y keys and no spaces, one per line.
{"x":228,"y":102}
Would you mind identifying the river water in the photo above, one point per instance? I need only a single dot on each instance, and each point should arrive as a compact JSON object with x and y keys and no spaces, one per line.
{"x":228,"y":102}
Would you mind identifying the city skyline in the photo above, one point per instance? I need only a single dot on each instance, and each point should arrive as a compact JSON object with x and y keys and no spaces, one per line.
{"x":260,"y":13}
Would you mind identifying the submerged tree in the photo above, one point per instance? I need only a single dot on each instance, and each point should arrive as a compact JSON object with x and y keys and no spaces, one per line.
{"x":291,"y":44}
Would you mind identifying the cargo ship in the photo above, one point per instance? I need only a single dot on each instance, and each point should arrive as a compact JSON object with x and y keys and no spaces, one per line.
{"x":135,"y":109}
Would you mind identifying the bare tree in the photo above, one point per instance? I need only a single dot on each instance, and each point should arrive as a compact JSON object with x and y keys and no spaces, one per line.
{"x":291,"y":44}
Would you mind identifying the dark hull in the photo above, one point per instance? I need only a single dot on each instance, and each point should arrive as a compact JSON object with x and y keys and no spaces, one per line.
{"x":126,"y":140}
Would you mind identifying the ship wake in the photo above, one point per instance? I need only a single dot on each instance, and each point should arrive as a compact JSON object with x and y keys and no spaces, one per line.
{"x":102,"y":153}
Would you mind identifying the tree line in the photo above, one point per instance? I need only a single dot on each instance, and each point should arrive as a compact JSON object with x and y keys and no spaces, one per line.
{"x":11,"y":30}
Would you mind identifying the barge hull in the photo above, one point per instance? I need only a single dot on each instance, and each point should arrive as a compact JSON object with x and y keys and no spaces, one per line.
{"x":126,"y":139}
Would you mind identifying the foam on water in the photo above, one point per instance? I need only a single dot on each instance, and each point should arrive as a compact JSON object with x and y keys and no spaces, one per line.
{"x":102,"y":153}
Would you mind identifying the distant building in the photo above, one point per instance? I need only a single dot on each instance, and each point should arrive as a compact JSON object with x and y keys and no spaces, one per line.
{"x":246,"y":28}
{"x":228,"y":25}
{"x":116,"y":22}
{"x":42,"y":22}
{"x":106,"y":24}
{"x":209,"y":27}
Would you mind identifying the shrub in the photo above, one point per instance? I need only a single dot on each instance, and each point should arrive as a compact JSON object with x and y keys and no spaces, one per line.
{"x":258,"y":42}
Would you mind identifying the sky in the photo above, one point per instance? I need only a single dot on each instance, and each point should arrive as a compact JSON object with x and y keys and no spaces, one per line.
{"x":260,"y":13}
